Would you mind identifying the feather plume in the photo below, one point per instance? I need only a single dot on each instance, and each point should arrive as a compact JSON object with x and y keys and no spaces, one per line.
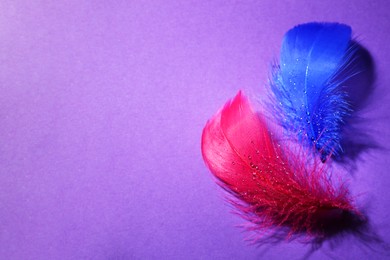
{"x":309,"y":98}
{"x":274,"y":188}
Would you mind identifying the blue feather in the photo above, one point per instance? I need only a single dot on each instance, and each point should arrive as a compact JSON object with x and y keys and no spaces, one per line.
{"x":310,"y":100}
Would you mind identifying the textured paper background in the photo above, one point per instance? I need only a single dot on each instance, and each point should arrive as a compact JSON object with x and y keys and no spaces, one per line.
{"x":102,"y":105}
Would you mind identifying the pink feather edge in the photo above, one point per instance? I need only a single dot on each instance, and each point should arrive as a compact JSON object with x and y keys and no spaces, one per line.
{"x":277,"y":190}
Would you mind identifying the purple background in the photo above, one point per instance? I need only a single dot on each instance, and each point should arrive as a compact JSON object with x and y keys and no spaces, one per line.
{"x":102,"y":105}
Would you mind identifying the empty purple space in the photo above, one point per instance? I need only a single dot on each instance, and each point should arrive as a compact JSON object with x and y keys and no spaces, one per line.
{"x":102,"y":106}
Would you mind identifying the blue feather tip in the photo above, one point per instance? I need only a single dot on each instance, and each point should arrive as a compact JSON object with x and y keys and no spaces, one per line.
{"x":308,"y":89}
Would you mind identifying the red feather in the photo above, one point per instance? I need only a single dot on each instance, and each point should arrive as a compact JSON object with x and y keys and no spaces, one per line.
{"x":276,"y":188}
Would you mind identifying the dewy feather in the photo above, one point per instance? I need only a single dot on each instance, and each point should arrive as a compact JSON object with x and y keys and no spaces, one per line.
{"x":310,"y":100}
{"x":275,"y":188}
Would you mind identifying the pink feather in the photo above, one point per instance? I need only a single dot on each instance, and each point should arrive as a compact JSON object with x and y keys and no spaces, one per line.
{"x":275,"y":188}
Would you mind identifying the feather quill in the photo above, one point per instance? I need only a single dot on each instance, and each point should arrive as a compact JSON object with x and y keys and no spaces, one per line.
{"x":274,"y":188}
{"x":307,"y":85}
